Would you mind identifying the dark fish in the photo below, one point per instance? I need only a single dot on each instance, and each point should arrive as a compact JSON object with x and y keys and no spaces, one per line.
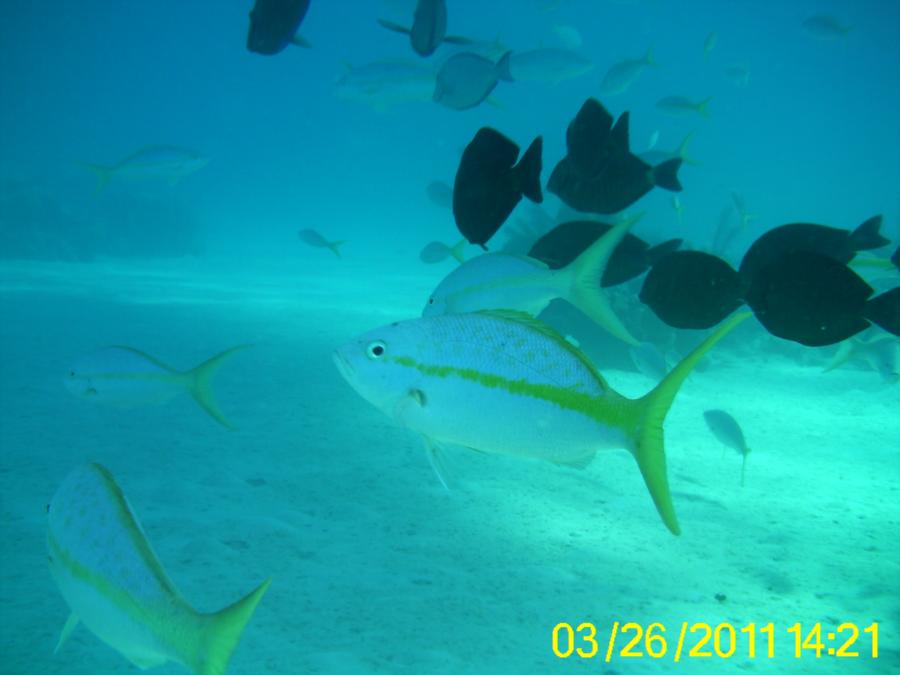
{"x":801,"y":296}
{"x":489,"y":183}
{"x":440,"y":193}
{"x":274,"y":25}
{"x":631,"y":258}
{"x":896,"y":258}
{"x":467,"y":79}
{"x":816,"y":300}
{"x":841,"y":245}
{"x":728,"y":432}
{"x":600,"y":174}
{"x":691,"y":289}
{"x":429,"y":28}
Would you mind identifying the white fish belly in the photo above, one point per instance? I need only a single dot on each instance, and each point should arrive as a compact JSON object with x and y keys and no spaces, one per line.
{"x":105,"y":567}
{"x":125,"y":631}
{"x":491,"y":420}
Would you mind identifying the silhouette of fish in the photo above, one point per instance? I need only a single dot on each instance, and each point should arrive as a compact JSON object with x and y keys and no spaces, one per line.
{"x":631,"y":258}
{"x":728,"y":432}
{"x":274,"y":25}
{"x":489,"y":183}
{"x":467,"y":79}
{"x":841,"y":245}
{"x":429,"y":28}
{"x":600,"y":174}
{"x":802,"y":296}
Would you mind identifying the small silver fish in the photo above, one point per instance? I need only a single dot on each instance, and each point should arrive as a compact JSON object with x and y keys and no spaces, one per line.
{"x":622,"y":75}
{"x":385,"y":84}
{"x":548,"y":65}
{"x":316,"y":240}
{"x":728,"y":432}
{"x":681,"y":106}
{"x":153,"y":161}
{"x":438,"y":251}
{"x":467,"y":79}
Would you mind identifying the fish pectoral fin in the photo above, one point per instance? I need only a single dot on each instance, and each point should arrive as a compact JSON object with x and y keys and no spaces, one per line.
{"x":71,"y":622}
{"x":436,"y":459}
{"x":396,"y":27}
{"x":580,"y":463}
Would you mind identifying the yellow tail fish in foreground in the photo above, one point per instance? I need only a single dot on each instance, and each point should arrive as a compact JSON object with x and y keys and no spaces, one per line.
{"x":115,"y":585}
{"x":501,"y":382}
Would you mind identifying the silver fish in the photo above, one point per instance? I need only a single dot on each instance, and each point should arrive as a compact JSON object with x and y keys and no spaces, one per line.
{"x":153,"y":161}
{"x":621,"y":76}
{"x":728,"y":432}
{"x":548,"y":65}
{"x":467,"y":79}
{"x":316,"y":240}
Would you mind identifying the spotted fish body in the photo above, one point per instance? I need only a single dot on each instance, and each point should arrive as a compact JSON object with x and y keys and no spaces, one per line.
{"x":503,"y":383}
{"x":116,"y":586}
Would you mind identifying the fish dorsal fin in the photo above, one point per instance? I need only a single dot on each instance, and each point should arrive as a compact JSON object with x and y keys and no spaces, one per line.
{"x":525,"y":319}
{"x":146,"y":356}
{"x":619,"y":132}
{"x":71,"y":623}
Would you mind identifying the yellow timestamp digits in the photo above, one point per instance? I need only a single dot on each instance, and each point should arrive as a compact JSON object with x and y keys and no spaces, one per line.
{"x":701,"y":640}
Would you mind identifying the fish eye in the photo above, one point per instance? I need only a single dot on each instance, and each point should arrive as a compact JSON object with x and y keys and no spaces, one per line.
{"x":376,"y":349}
{"x":431,"y":301}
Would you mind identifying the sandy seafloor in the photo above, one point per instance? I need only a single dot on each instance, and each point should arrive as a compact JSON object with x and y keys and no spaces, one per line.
{"x":376,"y":569}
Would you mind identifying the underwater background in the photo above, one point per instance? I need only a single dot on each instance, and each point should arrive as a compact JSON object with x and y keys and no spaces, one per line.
{"x":375,"y":567}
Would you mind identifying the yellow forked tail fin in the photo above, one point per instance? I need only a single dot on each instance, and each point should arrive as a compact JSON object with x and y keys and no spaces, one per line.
{"x":223,"y":631}
{"x":200,"y":384}
{"x":649,"y":449}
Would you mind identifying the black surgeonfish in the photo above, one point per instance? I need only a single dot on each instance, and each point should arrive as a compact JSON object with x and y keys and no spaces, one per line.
{"x":489,"y":183}
{"x":801,"y":296}
{"x":600,"y":174}
{"x":274,"y":25}
{"x":692,"y":289}
{"x":816,"y":300}
{"x":840,"y":245}
{"x":631,"y":258}
{"x":429,"y":28}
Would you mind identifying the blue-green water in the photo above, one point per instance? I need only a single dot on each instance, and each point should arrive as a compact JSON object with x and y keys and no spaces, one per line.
{"x":375,"y":568}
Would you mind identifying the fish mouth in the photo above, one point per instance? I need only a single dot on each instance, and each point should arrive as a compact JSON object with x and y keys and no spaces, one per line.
{"x":345,"y":368}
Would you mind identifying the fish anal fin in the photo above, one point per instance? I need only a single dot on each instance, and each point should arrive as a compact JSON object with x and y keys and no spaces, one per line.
{"x":436,"y":459}
{"x":619,"y":133}
{"x":70,"y":625}
{"x":396,"y":27}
